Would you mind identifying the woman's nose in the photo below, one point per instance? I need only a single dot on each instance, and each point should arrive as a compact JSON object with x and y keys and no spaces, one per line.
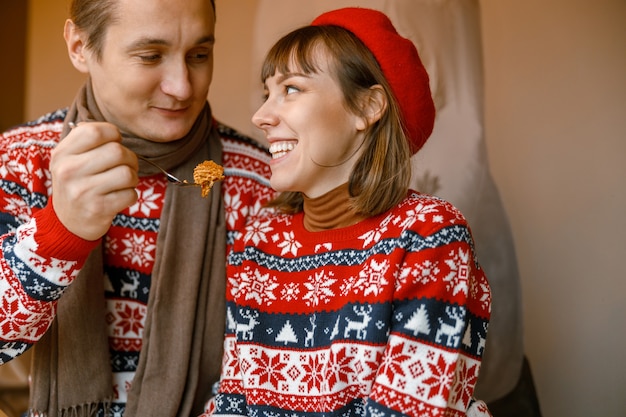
{"x":265,"y":116}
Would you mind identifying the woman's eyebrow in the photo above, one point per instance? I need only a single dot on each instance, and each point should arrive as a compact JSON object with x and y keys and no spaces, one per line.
{"x":288,"y":75}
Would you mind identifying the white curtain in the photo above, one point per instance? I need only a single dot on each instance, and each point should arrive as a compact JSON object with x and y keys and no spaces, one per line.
{"x":453,"y":164}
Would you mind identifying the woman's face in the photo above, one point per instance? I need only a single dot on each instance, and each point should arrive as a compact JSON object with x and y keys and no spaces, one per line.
{"x":314,"y":138}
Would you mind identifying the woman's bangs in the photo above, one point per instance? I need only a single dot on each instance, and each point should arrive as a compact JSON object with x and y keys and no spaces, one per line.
{"x":293,"y":53}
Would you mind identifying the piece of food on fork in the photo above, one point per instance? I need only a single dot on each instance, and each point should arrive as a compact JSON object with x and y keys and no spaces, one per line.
{"x":206,"y":174}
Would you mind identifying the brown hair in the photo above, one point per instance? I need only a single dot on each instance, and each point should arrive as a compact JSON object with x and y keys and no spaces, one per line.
{"x":94,"y":17}
{"x":380,"y":178}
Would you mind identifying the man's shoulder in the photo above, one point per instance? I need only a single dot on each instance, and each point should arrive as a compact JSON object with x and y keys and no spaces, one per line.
{"x":56,"y":116}
{"x":244,"y":157}
{"x":46,"y":127}
{"x":233,"y":141}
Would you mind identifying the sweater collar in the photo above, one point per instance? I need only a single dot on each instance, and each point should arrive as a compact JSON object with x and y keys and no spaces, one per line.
{"x":330,"y":211}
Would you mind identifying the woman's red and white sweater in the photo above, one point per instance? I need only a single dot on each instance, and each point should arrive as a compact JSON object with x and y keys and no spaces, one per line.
{"x":387,"y":317}
{"x":39,"y":258}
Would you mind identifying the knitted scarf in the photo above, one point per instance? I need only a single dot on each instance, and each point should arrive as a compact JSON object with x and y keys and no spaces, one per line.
{"x":182,"y":343}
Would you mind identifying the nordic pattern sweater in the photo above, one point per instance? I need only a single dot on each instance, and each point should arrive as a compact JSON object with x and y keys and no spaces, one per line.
{"x":384,"y":318}
{"x":36,"y":268}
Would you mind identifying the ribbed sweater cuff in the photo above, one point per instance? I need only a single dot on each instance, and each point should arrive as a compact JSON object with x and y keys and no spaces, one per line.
{"x":55,"y":241}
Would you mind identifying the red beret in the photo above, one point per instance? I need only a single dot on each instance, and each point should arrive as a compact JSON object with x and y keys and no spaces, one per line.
{"x":399,"y":61}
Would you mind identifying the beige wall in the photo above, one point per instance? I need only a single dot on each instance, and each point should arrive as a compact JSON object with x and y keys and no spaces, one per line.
{"x":556,"y":135}
{"x":556,"y":129}
{"x":51,"y":79}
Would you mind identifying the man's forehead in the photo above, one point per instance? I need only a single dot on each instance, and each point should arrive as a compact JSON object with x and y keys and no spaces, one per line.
{"x":159,"y":21}
{"x":162,"y":11}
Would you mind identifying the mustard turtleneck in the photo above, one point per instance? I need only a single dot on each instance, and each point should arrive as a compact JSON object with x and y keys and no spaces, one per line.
{"x":330,"y":211}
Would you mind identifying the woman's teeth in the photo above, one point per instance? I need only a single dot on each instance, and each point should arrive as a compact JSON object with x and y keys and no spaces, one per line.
{"x":279,"y":149}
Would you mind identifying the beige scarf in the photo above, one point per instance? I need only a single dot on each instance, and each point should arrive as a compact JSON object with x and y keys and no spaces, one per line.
{"x":182,"y":343}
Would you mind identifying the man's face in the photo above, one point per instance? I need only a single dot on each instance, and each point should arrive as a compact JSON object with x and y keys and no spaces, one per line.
{"x":153,"y":77}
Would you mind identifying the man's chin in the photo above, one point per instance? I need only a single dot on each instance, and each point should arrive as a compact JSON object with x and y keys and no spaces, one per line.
{"x":166,"y":132}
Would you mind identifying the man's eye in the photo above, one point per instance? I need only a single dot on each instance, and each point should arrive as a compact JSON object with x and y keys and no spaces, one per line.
{"x":150,"y":58}
{"x":198,"y":57}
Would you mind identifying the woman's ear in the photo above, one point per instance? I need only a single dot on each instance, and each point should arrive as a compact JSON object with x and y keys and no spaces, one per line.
{"x":75,"y":42}
{"x":373,"y":105}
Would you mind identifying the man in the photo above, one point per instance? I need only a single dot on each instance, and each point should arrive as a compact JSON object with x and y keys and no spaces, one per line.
{"x":116,"y":276}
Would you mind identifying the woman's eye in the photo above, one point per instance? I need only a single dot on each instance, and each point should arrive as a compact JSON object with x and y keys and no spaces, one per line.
{"x":290,"y":89}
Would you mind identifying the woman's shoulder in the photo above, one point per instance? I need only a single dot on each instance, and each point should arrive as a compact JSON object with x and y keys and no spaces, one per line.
{"x":428,"y":209}
{"x":270,"y":216}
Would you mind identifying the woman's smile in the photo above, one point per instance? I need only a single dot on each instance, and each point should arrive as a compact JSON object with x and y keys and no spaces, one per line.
{"x":282,"y":148}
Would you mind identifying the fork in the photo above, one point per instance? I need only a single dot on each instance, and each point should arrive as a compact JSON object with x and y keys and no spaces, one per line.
{"x":170,"y":177}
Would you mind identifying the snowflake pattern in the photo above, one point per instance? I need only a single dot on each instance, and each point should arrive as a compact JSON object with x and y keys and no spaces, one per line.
{"x":375,"y":234}
{"x":319,"y":288}
{"x":12,"y":318}
{"x":232,"y":208}
{"x":371,"y":280}
{"x":240,"y":191}
{"x":129,"y":246}
{"x":314,"y":377}
{"x":253,"y":285}
{"x":465,"y":379}
{"x":290,"y":291}
{"x":269,"y":369}
{"x":289,"y":244}
{"x":425,"y":272}
{"x":458,"y":277}
{"x":339,"y":368}
{"x":138,"y":249}
{"x":479,"y":289}
{"x":147,"y":201}
{"x":18,"y":207}
{"x":441,"y":377}
{"x":257,"y":233}
{"x":128,"y":319}
{"x":422,"y":212}
{"x":409,"y":372}
{"x":391,"y":366}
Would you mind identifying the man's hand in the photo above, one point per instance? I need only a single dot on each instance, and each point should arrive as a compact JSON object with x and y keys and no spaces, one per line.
{"x":93,"y":178}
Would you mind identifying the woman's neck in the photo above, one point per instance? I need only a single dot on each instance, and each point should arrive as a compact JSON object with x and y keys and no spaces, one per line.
{"x":330,"y":211}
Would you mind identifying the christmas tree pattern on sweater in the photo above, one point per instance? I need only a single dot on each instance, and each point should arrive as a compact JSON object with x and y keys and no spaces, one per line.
{"x":387,"y":317}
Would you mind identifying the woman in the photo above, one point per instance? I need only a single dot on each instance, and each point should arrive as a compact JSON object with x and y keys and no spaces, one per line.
{"x":353,"y":295}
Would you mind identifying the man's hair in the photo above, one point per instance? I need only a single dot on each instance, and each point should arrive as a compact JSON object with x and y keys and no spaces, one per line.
{"x":380,"y":178}
{"x":94,"y":17}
